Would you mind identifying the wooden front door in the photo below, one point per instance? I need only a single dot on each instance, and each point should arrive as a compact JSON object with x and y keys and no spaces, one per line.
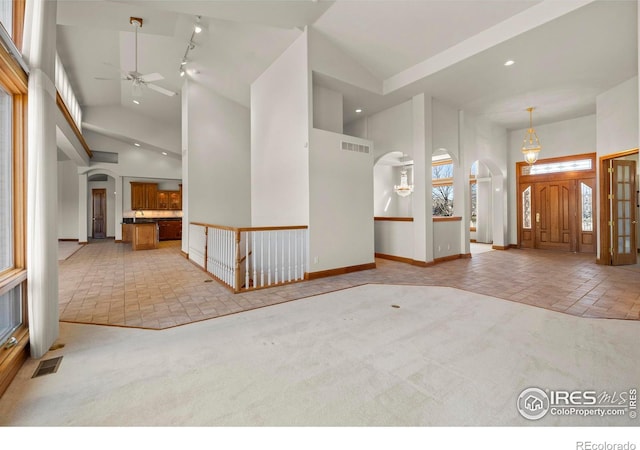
{"x":556,"y":204}
{"x":99,"y":201}
{"x":623,"y":212}
{"x":554,"y":208}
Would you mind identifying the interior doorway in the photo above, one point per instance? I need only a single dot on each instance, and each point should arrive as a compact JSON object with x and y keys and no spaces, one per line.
{"x":555,"y":207}
{"x":99,"y":213}
{"x":620,"y":201}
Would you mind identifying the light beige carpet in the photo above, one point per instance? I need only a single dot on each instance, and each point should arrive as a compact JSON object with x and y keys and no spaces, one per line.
{"x":441,"y":357}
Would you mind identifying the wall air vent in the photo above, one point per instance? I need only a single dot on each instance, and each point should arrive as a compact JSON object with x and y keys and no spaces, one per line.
{"x":353,"y":147}
{"x":104,"y":157}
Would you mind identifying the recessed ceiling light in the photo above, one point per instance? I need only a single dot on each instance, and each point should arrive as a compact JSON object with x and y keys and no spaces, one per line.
{"x":509,"y":63}
{"x":184,"y":61}
{"x":358,"y":110}
{"x":137,"y":102}
{"x":197,"y":29}
{"x":164,"y":153}
{"x":136,"y":144}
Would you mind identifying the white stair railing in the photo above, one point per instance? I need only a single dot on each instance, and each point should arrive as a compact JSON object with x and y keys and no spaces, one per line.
{"x":249,"y":258}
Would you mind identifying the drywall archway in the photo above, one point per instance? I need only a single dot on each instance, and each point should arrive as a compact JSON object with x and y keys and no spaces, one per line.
{"x":114,"y":202}
{"x":496,"y":194}
{"x":387,"y":170}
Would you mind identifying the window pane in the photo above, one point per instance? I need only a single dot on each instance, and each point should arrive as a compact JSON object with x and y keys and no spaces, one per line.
{"x":587,"y":211}
{"x":10,"y":312}
{"x":6,"y":205}
{"x":474,"y":205}
{"x":442,"y":197}
{"x":6,"y":15}
{"x":565,"y":166}
{"x":526,"y":208}
{"x":442,"y":171}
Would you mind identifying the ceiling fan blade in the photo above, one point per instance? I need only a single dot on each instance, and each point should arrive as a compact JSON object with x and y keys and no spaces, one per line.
{"x":124,"y":73}
{"x":161,"y":90}
{"x":151,"y":77}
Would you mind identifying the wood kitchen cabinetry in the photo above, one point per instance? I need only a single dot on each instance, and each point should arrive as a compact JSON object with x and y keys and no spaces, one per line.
{"x":144,"y":195}
{"x":170,"y":230}
{"x":169,"y":200}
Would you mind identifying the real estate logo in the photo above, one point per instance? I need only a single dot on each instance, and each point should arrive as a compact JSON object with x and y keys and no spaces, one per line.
{"x":535,"y":403}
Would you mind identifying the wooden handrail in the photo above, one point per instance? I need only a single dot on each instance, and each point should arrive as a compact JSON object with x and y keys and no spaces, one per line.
{"x":243,"y":229}
{"x":447,"y":219}
{"x":394,"y":219}
{"x":72,"y":123}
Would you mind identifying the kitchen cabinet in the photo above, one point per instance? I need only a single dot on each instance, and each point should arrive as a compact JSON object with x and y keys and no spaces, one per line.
{"x":127,"y":232}
{"x":144,"y":195}
{"x":169,"y":200}
{"x":170,"y":230}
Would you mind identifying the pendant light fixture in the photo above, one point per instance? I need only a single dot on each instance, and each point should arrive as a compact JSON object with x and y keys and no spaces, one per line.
{"x":530,"y":144}
{"x":404,"y":189}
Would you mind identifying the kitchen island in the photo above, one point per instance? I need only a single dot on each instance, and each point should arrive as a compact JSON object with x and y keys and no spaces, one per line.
{"x":144,"y":236}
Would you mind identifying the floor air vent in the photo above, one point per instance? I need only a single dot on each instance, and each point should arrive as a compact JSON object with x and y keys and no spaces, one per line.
{"x":48,"y":366}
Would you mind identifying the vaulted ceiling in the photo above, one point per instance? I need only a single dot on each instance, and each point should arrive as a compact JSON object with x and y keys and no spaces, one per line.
{"x":453,"y":50}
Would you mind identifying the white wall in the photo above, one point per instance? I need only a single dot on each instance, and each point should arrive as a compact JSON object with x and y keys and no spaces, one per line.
{"x":280,"y":112}
{"x":125,"y":122}
{"x":617,"y":126}
{"x":134,"y":161}
{"x":67,"y":200}
{"x":394,"y":238}
{"x":446,"y":238}
{"x":327,"y":109}
{"x":390,"y":130}
{"x":445,"y":128}
{"x":110,"y":187}
{"x":328,"y":59}
{"x":219,"y":180}
{"x":341,"y":231}
{"x":617,"y":118}
{"x":565,"y":138}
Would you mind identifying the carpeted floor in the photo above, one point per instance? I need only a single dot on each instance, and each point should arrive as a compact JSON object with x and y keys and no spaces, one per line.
{"x":374,"y":355}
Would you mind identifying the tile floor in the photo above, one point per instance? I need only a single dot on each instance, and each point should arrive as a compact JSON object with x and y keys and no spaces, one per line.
{"x":107,"y":283}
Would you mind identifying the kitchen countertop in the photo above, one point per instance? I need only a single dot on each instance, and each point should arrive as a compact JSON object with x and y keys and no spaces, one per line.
{"x":127,"y":220}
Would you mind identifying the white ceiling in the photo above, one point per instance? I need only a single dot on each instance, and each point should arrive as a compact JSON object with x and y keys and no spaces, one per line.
{"x":560,"y":66}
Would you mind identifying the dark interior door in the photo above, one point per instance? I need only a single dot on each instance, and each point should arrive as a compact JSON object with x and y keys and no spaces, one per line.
{"x":99,"y":197}
{"x":623,"y":212}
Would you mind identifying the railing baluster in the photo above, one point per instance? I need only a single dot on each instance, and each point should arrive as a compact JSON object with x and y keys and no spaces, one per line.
{"x":269,"y":260}
{"x":253,"y":252}
{"x":289,"y":255}
{"x":282,"y":258}
{"x":295,"y":254}
{"x":275,"y":255}
{"x":246,"y":255}
{"x":261,"y":258}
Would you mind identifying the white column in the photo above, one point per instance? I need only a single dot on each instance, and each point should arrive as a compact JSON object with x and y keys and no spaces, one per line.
{"x":83,"y":187}
{"x":185,"y":167}
{"x":422,"y":188}
{"x":118,"y":212}
{"x":465,"y":233}
{"x":42,"y":173}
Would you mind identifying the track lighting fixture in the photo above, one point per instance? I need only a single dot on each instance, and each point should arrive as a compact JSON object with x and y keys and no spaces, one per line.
{"x":197,"y":28}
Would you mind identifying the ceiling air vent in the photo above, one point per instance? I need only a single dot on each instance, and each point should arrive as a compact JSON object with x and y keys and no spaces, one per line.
{"x":353,"y":147}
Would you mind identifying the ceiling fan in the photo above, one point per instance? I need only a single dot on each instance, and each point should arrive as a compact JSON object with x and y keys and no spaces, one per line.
{"x":139,"y":80}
